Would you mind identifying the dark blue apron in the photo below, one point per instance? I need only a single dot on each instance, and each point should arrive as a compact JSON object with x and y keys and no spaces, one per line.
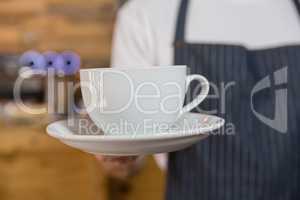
{"x":253,"y":157}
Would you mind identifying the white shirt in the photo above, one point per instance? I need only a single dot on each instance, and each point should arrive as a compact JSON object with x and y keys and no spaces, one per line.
{"x":145,"y":29}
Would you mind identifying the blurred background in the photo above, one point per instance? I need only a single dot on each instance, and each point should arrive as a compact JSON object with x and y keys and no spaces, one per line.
{"x":33,"y":165}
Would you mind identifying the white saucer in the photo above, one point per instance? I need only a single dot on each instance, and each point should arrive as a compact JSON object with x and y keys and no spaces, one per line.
{"x":190,"y":129}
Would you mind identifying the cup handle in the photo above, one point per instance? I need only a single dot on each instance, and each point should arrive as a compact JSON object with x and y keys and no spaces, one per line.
{"x":200,"y":97}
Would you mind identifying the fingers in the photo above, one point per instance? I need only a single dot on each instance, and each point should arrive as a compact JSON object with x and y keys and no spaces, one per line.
{"x":120,"y":167}
{"x":119,"y":159}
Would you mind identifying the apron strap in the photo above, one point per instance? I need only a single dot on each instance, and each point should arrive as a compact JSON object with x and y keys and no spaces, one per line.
{"x":297,"y":4}
{"x":180,"y":24}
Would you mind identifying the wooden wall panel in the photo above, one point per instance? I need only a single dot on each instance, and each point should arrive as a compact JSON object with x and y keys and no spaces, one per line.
{"x":18,"y":9}
{"x":78,"y":25}
{"x":10,"y":38}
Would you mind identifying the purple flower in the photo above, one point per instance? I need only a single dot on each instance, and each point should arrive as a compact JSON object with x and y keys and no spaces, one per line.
{"x":72,"y":62}
{"x":54,"y":60}
{"x":33,"y":59}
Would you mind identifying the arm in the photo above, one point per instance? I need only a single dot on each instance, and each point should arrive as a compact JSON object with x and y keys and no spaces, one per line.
{"x":162,"y":161}
{"x":132,"y":46}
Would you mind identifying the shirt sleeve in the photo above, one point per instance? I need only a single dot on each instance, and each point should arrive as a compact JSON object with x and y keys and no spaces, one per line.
{"x":133,"y":40}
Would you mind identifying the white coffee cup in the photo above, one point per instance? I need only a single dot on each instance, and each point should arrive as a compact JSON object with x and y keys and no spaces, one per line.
{"x":145,"y":100}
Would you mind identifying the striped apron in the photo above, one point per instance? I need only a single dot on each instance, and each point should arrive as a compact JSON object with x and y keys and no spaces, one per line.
{"x":256,"y":155}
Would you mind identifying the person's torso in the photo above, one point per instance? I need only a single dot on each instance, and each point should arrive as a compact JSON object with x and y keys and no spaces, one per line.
{"x":256,"y":24}
{"x":256,"y":154}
